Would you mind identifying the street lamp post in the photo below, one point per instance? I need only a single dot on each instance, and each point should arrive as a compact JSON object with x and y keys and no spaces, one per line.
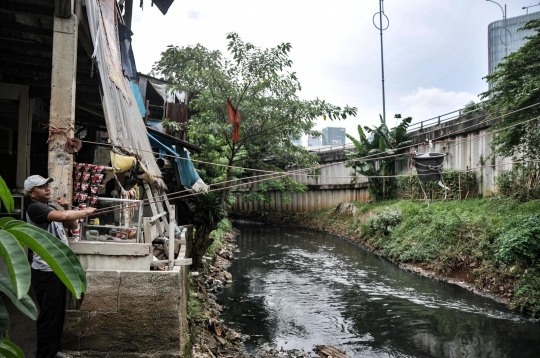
{"x":527,"y":7}
{"x":381,"y":29}
{"x":504,"y":27}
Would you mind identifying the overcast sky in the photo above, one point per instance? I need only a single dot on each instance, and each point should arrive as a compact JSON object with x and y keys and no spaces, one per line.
{"x":435,"y":51}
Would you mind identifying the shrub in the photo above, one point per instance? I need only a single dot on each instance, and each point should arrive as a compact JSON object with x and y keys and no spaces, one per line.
{"x":461,"y":184}
{"x":383,"y":223}
{"x":521,"y":183}
{"x":520,"y":242}
{"x":528,"y":292}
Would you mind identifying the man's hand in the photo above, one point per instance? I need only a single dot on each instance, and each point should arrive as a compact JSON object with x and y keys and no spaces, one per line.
{"x":63,"y":203}
{"x":89,"y":210}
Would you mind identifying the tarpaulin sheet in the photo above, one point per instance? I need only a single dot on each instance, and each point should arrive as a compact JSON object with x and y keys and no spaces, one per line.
{"x":124,"y":121}
{"x":188,"y":174}
{"x":138,"y":97}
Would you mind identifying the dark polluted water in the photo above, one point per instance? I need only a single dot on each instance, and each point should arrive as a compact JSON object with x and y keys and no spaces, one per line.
{"x":294,"y":288}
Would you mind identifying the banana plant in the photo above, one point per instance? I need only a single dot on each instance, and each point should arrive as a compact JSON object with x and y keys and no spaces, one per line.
{"x":374,"y":157}
{"x":14,"y":236}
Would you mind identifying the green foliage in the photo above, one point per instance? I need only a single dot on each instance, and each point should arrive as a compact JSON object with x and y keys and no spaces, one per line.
{"x":461,"y":184}
{"x":383,"y":223}
{"x":285,"y":186}
{"x":5,"y":196}
{"x":527,"y":295}
{"x":195,"y":306}
{"x":223,"y":228}
{"x":384,"y":142}
{"x":208,"y":211}
{"x":471,"y":107}
{"x":259,"y":84}
{"x":519,"y":242}
{"x":521,"y":183}
{"x":14,"y":236}
{"x":514,"y":87}
{"x":173,"y":126}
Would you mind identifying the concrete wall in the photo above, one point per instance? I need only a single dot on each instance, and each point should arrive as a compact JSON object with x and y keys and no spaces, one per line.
{"x":130,"y":314}
{"x":113,"y":255}
{"x":465,"y":141}
{"x":317,"y":197}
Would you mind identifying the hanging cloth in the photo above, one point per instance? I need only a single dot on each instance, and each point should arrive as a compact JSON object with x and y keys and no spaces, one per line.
{"x":234,"y":119}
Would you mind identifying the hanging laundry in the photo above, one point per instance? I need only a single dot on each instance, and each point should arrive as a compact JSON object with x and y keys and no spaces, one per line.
{"x":234,"y":119}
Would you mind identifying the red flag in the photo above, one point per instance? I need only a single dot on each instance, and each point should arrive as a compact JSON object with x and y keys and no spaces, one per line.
{"x":234,"y":119}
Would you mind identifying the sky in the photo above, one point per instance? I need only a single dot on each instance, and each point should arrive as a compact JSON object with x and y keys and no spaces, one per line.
{"x":435,"y":51}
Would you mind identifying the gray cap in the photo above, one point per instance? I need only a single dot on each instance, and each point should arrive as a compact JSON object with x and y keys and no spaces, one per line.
{"x":35,"y":180}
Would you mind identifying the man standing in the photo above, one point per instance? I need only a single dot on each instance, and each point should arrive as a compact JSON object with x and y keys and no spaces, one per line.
{"x":49,"y":289}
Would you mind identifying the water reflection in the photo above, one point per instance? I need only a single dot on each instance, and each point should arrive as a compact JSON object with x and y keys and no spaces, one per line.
{"x":294,"y":288}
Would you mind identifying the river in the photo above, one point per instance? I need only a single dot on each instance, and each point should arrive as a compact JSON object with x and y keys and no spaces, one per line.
{"x":294,"y":288}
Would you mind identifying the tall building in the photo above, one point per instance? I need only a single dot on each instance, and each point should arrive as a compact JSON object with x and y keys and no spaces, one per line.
{"x":297,"y":141}
{"x":514,"y":39}
{"x":314,"y":141}
{"x":333,"y":136}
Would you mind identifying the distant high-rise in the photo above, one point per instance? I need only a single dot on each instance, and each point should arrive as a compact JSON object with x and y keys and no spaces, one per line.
{"x":514,"y":39}
{"x":297,"y":141}
{"x":314,"y":141}
{"x":333,"y":136}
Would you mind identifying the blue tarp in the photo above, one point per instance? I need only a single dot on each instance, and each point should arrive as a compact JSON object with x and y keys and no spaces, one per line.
{"x":137,"y":92}
{"x":186,"y":170}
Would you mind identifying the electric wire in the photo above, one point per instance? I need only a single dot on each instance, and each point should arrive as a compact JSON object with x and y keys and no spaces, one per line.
{"x":276,"y":174}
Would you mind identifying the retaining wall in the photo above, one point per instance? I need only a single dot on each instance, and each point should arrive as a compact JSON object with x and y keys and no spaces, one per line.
{"x":130,"y":314}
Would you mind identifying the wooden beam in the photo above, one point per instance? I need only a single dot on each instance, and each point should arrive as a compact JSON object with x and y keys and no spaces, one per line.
{"x":15,"y":26}
{"x":63,"y":8}
{"x":22,"y":146}
{"x":18,"y":8}
{"x":25,"y":45}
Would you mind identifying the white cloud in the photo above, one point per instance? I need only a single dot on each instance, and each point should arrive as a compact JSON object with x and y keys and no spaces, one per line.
{"x":193,"y":15}
{"x":426,"y":103}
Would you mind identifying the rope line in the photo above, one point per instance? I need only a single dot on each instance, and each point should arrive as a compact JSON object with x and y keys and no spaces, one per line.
{"x":276,"y":174}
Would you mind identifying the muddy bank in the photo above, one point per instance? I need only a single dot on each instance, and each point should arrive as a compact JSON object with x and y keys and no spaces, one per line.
{"x":344,"y":222}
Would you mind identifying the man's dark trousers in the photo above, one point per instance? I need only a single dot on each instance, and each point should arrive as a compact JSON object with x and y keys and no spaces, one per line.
{"x":51,"y":298}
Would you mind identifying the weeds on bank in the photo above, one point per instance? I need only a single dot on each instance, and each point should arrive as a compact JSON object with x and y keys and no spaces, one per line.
{"x":223,"y":227}
{"x":498,"y":239}
{"x":196,"y":306}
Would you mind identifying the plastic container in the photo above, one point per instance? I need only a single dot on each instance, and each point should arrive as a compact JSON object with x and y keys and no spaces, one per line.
{"x":429,"y":166}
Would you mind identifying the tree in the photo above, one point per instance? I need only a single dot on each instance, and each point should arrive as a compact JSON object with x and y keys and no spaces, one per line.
{"x":515,"y":85}
{"x":371,"y":157}
{"x":258,"y":84}
{"x":14,"y":236}
{"x":208,"y":212}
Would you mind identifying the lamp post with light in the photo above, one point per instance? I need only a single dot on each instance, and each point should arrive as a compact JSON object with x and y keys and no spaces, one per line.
{"x":504,"y":27}
{"x":527,"y":7}
{"x":381,"y":29}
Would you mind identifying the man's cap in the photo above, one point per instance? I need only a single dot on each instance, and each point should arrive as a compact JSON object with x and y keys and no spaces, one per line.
{"x":35,"y":180}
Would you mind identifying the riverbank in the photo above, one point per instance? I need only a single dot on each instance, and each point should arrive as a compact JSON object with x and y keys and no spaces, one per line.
{"x":210,"y":336}
{"x":489,"y":246}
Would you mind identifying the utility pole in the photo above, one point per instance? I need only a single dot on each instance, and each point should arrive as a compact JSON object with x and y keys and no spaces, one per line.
{"x":381,"y":29}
